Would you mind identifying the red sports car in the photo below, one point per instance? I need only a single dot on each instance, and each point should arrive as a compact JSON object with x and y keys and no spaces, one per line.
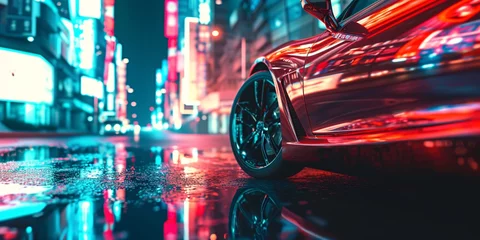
{"x":402,"y":73}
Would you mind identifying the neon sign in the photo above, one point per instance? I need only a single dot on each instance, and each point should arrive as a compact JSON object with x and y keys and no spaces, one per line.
{"x":25,"y":77}
{"x":90,"y":8}
{"x":171,"y":18}
{"x":205,"y":12}
{"x":86,"y":44}
{"x":91,"y":87}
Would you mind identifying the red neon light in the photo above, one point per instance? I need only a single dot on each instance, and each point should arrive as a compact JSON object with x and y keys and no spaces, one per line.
{"x":109,"y":21}
{"x":172,"y":59}
{"x":412,"y":48}
{"x":172,"y":68}
{"x":460,"y":12}
{"x":109,"y":54}
{"x":121,"y":91}
{"x":170,"y":227}
{"x":109,"y":28}
{"x":171,"y":18}
{"x":172,"y":43}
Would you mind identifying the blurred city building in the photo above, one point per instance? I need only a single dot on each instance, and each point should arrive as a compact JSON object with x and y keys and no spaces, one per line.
{"x":217,"y":42}
{"x":187,"y":28}
{"x":117,"y":88}
{"x":172,"y":31}
{"x":159,"y":112}
{"x":58,"y":70}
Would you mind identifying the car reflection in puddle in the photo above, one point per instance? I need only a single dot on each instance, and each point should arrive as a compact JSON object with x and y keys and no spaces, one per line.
{"x":257,"y":214}
{"x":341,"y":207}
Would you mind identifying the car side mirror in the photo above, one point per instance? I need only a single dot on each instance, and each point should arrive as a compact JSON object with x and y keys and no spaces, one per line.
{"x":323,"y":11}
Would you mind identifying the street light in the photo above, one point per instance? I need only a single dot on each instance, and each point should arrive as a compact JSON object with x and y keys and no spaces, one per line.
{"x":243,"y":51}
{"x":130,"y":90}
{"x":126,"y":60}
{"x":134,"y":104}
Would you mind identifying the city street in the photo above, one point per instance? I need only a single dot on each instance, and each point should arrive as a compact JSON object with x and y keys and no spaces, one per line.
{"x":167,"y":186}
{"x":164,"y":119}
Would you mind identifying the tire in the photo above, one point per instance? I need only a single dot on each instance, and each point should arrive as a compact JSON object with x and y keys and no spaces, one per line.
{"x":255,"y":130}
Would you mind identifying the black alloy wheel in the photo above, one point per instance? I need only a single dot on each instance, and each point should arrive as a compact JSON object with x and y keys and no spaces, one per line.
{"x":254,"y":215}
{"x":255,"y":129}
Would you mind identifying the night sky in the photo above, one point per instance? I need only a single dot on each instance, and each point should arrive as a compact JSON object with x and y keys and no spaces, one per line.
{"x":139,"y":28}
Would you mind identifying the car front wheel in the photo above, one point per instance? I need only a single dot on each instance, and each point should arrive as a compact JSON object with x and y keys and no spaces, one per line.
{"x":255,"y":130}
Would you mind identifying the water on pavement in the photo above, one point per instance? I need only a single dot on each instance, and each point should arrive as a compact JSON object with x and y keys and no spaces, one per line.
{"x":118,"y":188}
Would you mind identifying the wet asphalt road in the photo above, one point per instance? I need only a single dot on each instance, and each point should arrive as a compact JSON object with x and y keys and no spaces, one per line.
{"x":189,"y":187}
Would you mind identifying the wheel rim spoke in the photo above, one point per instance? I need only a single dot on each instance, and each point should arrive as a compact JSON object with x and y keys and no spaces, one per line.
{"x":264,"y":150}
{"x":273,"y":122}
{"x":259,"y":101}
{"x":263,"y":207}
{"x":263,"y":95}
{"x":247,"y":111}
{"x":255,"y":87}
{"x":246,"y":215}
{"x":249,"y":138}
{"x":271,"y":141}
{"x":273,"y":214}
{"x":246,"y":124}
{"x":271,"y":108}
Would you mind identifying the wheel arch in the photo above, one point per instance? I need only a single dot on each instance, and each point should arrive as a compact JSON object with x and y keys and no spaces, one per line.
{"x":288,"y":130}
{"x":258,"y":67}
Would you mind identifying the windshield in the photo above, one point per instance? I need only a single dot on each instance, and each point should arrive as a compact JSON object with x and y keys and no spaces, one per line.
{"x":355,"y":7}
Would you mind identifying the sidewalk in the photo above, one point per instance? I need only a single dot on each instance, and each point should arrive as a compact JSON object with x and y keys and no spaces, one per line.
{"x":171,"y":135}
{"x":60,"y":133}
{"x":7,"y":133}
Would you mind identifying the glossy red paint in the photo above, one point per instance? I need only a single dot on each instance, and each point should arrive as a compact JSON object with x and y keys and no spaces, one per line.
{"x":413,"y":76}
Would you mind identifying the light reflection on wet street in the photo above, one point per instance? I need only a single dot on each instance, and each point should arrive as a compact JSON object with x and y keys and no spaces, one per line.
{"x":116,"y":188}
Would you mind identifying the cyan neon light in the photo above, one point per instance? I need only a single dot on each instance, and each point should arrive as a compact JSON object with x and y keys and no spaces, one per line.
{"x":427,"y":66}
{"x":25,"y":77}
{"x":91,"y":87}
{"x":110,"y":102}
{"x":86,"y":44}
{"x":90,"y":8}
{"x":205,"y":12}
{"x":111,"y":78}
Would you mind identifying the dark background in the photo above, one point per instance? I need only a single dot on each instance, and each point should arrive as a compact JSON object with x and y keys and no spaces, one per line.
{"x":139,"y":27}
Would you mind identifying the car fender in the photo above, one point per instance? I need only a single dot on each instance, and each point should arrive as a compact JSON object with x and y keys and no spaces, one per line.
{"x":288,"y":132}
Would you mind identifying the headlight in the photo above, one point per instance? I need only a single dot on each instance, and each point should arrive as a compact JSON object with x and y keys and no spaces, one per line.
{"x":108,"y":127}
{"x":117,"y":127}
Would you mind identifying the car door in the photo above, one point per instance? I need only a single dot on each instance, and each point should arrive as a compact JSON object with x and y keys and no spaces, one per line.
{"x":338,"y":73}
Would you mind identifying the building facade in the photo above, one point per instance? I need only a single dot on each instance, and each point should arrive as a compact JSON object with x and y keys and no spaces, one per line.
{"x":53,"y":56}
{"x":187,"y":28}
